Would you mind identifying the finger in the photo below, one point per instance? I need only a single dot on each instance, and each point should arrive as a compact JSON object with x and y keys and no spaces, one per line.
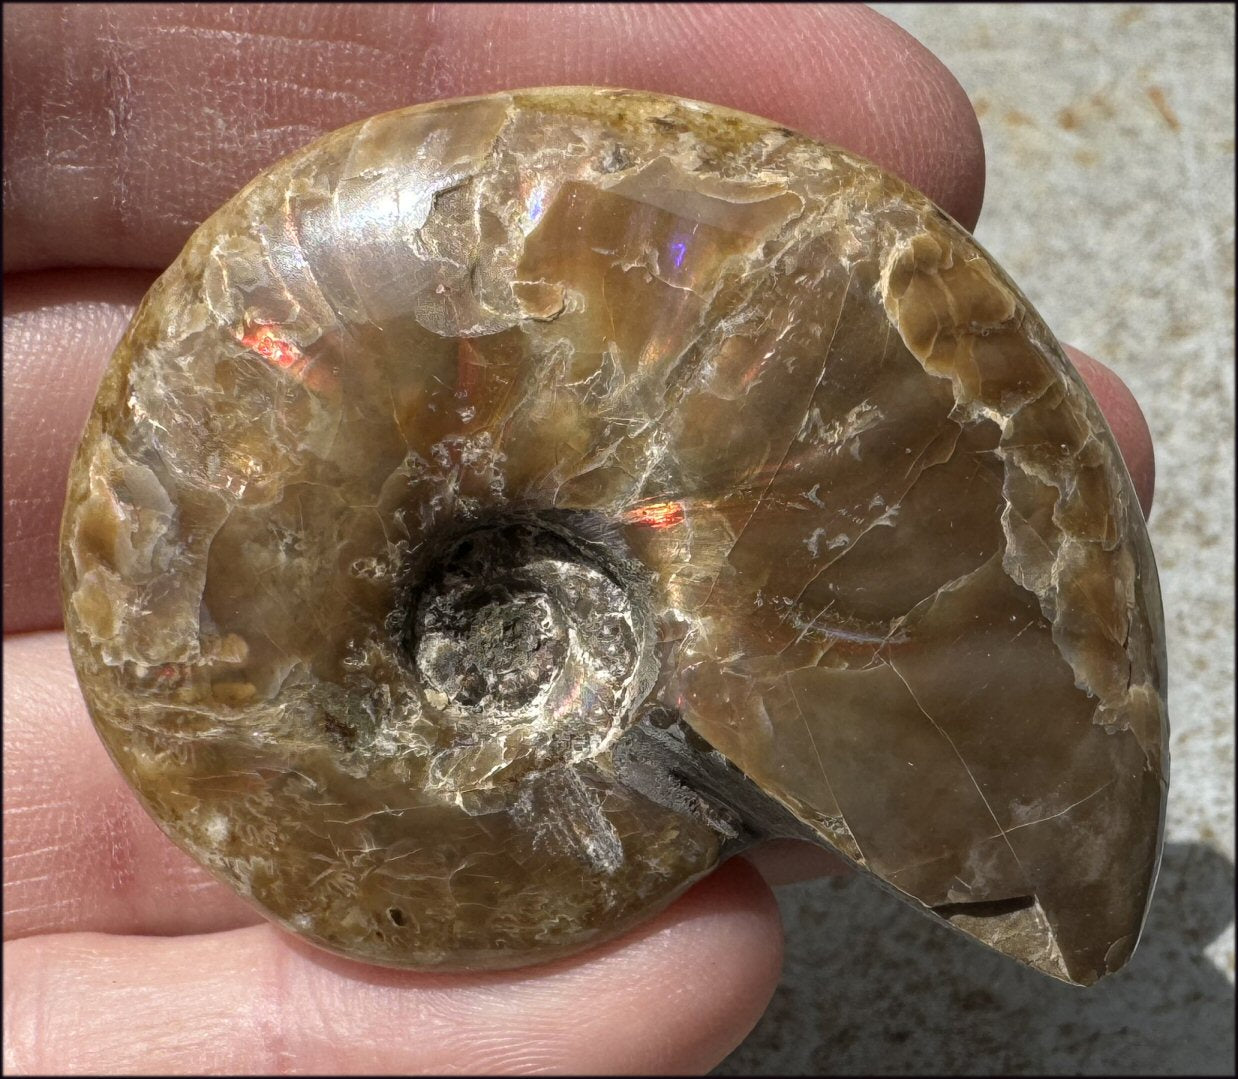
{"x":125,"y":125}
{"x":693,"y":982}
{"x":80,"y":852}
{"x":59,"y":330}
{"x":1126,"y":419}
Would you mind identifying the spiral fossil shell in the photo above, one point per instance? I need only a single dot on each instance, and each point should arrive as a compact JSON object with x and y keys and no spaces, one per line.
{"x":506,"y":508}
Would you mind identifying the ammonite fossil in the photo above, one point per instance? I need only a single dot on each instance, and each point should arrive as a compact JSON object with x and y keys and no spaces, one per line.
{"x":505,"y":509}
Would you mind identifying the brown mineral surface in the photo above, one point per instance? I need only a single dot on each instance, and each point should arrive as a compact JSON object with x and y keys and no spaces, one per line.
{"x":504,"y":509}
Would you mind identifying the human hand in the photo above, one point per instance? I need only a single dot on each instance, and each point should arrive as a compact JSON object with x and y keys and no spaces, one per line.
{"x":124,"y":128}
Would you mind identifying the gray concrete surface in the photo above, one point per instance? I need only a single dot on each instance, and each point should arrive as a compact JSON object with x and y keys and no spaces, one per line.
{"x":1109,"y":130}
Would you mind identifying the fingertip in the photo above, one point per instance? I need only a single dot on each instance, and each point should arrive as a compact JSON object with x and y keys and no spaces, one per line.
{"x":59,"y":328}
{"x":674,"y":996}
{"x":719,"y":949}
{"x":847,"y":75}
{"x":924,"y":126}
{"x":732,"y":918}
{"x":1126,"y":420}
{"x":837,"y":72}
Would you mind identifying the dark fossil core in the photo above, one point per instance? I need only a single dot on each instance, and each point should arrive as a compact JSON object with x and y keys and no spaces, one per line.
{"x":505,"y":509}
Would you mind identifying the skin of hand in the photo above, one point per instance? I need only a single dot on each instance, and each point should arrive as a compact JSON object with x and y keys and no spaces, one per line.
{"x":124,"y":126}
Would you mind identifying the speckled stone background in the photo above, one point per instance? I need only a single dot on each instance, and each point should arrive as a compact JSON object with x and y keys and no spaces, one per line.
{"x":1109,"y":130}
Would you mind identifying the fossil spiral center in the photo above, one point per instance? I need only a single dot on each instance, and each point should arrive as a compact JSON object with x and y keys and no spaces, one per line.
{"x":495,"y":645}
{"x":527,"y":634}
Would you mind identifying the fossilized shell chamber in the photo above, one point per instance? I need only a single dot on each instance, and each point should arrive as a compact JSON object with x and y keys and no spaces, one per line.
{"x":506,"y":508}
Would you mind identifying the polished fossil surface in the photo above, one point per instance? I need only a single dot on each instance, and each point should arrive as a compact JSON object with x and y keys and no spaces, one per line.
{"x":506,"y":508}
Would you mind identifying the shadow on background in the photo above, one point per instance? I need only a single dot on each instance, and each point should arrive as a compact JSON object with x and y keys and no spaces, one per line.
{"x":871,"y":987}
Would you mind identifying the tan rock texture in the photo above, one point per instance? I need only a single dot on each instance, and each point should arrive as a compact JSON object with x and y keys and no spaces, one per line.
{"x":478,"y":469}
